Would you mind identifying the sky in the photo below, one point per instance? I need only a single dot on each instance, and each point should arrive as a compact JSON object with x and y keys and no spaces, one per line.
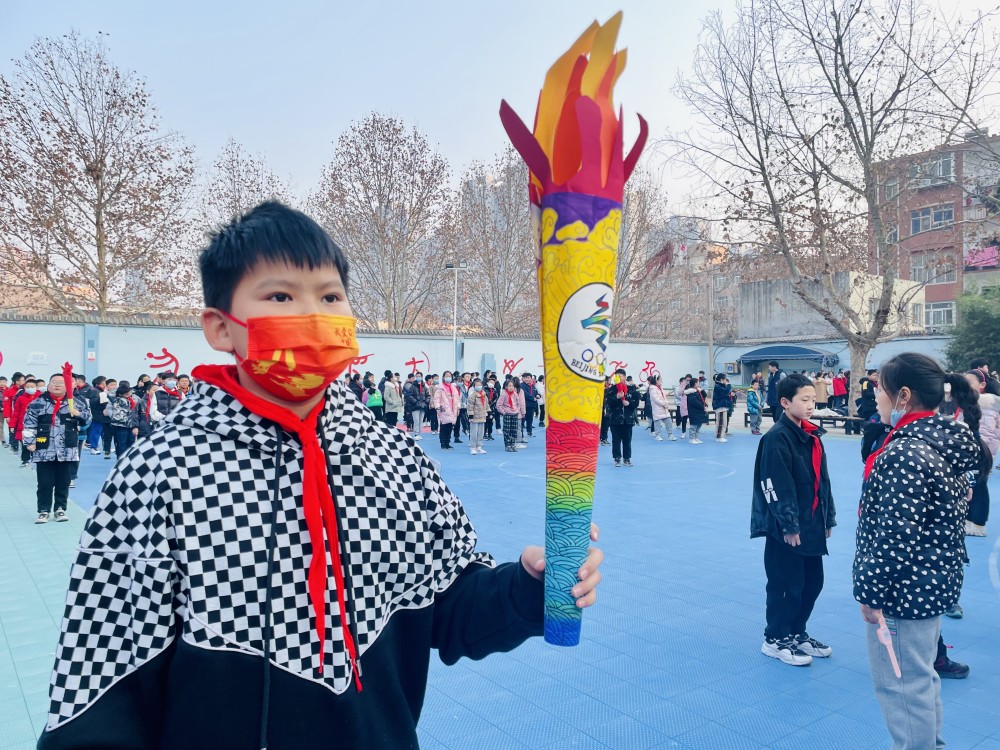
{"x":285,"y":79}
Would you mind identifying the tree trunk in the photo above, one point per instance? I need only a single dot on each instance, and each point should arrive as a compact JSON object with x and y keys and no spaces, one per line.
{"x":859,"y":357}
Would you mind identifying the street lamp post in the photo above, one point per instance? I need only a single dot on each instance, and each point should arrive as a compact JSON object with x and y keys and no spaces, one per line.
{"x":456,"y":267}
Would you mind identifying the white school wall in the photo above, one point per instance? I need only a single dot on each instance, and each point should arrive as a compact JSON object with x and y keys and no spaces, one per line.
{"x":127,"y":351}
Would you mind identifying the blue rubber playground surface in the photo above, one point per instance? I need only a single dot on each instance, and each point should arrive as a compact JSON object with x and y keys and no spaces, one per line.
{"x":670,"y":654}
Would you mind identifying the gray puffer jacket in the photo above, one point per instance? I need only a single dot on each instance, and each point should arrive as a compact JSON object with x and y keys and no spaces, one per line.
{"x":47,"y":429}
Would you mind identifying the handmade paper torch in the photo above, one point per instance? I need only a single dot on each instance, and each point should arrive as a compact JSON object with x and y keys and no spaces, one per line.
{"x":578,"y":173}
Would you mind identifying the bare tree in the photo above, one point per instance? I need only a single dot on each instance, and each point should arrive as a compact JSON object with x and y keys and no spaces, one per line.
{"x":644,"y":253}
{"x":799,"y":105}
{"x":238,"y":182}
{"x":93,"y":193}
{"x":491,"y":232}
{"x":384,"y":198}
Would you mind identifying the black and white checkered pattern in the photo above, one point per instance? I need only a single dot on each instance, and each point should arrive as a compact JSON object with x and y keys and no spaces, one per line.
{"x":182,"y":528}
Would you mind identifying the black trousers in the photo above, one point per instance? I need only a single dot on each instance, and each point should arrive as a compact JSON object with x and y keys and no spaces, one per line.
{"x":510,"y":425}
{"x":541,"y":415}
{"x":621,"y":441}
{"x":463,"y":422}
{"x":432,"y":417}
{"x":489,"y":424}
{"x":979,"y":506}
{"x":528,"y":423}
{"x":445,"y":434}
{"x":53,"y":480}
{"x":123,"y":440}
{"x":604,"y":429}
{"x":391,"y":418}
{"x":106,"y":437}
{"x":794,"y":582}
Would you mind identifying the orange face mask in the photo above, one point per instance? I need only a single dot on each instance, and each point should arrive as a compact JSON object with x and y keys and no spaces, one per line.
{"x":294,"y":357}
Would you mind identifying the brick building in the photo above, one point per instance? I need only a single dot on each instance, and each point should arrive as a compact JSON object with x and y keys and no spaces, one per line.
{"x":940,"y":208}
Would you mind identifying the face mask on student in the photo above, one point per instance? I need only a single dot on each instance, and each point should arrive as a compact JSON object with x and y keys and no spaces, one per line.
{"x":896,"y":414}
{"x":478,"y":387}
{"x":295,"y":357}
{"x":31,"y":391}
{"x":447,"y":378}
{"x":171,"y":384}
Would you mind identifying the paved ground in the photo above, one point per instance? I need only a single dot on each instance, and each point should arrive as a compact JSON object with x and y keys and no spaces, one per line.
{"x":670,"y":654}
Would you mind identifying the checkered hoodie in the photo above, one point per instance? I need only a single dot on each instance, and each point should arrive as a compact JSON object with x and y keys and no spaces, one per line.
{"x":166,"y":615}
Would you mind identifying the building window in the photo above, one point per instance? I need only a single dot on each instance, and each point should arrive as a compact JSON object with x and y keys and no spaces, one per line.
{"x":720,"y":282}
{"x":938,"y":170}
{"x":932,"y":217}
{"x":939,"y":314}
{"x":917,"y":314}
{"x":891,"y":189}
{"x":933,"y":268}
{"x":721,"y":301}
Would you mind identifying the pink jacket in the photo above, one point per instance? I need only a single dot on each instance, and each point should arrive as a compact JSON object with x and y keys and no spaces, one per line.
{"x":448,"y":402}
{"x":505,"y":405}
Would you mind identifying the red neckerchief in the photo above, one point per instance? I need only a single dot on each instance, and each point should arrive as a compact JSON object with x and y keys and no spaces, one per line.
{"x":817,"y":458}
{"x":510,"y":398}
{"x":317,"y":500}
{"x":149,"y":407}
{"x":913,"y":416}
{"x":622,"y":388}
{"x":55,"y":411}
{"x":174,"y":392}
{"x":131,"y":402}
{"x":482,"y":398}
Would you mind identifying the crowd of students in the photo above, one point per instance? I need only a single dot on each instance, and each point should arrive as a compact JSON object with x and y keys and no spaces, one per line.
{"x":454,"y":404}
{"x":49,"y":425}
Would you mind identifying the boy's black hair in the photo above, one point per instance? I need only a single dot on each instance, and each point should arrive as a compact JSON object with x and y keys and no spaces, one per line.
{"x":719,"y":377}
{"x":619,"y":371}
{"x":79,"y":376}
{"x":774,"y":364}
{"x":387,"y":373}
{"x":57,"y":374}
{"x":791,"y":384}
{"x":871,"y":372}
{"x":272,"y":232}
{"x":99,"y":380}
{"x":167,"y":374}
{"x":3,"y":378}
{"x":17,"y":376}
{"x":183,"y":376}
{"x":978,"y":362}
{"x":110,"y":380}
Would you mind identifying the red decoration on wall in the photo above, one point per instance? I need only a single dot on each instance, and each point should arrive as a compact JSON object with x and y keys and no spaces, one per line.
{"x":616,"y":364}
{"x":413,"y":362}
{"x":164,"y":362}
{"x":509,"y":365}
{"x":649,"y":371}
{"x":360,"y":360}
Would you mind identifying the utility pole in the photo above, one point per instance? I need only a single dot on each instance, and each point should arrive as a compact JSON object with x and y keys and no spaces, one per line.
{"x":710,"y":300}
{"x":456,"y":267}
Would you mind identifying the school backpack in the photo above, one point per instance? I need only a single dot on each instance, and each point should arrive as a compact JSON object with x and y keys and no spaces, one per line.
{"x":374,"y":398}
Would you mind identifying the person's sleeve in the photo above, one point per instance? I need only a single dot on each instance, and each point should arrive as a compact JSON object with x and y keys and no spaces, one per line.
{"x":827,"y":489}
{"x":895,"y":523}
{"x":30,"y":429}
{"x":118,"y":628}
{"x":480,"y":608}
{"x":778,"y":485}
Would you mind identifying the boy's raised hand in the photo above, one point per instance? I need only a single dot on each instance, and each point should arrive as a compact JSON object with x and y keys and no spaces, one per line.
{"x":533,"y":560}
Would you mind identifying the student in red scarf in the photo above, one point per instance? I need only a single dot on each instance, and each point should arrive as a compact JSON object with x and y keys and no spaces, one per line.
{"x":122,"y":418}
{"x":793,"y":509}
{"x":272,"y":566}
{"x":510,"y":406}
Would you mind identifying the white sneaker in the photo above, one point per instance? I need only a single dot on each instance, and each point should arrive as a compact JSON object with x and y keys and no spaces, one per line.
{"x":94,"y":452}
{"x":696,"y":441}
{"x":481,"y":451}
{"x":671,"y":439}
{"x":417,"y":437}
{"x":812,"y":647}
{"x":42,"y":518}
{"x":473,"y":452}
{"x":787,"y":650}
{"x":721,"y":440}
{"x":657,"y":437}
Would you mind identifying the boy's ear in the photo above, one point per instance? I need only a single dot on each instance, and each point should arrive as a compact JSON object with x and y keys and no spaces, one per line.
{"x":213,"y":324}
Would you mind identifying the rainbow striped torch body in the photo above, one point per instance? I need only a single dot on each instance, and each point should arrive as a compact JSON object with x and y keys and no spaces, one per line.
{"x":578,"y":173}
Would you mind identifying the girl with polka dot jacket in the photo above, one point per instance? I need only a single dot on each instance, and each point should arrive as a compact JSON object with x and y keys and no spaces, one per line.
{"x":908,"y":567}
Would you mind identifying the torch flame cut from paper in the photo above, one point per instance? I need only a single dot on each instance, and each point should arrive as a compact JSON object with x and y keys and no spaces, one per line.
{"x":577,"y":183}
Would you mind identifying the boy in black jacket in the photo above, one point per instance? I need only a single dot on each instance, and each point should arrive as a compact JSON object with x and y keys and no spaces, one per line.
{"x":272,"y":545}
{"x":793,"y":508}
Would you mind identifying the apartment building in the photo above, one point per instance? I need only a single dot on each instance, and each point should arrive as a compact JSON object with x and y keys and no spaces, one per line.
{"x":940,"y":209}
